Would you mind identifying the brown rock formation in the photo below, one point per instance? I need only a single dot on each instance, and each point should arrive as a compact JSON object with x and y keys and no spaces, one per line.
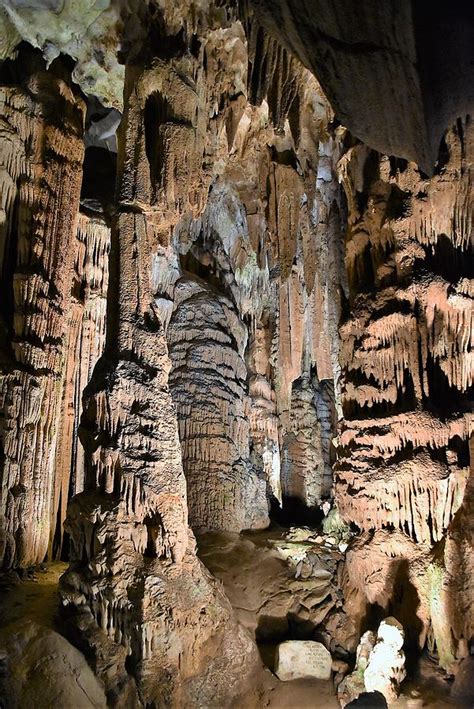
{"x":406,"y":357}
{"x":418,"y":52}
{"x":42,"y":152}
{"x":84,"y":345}
{"x":132,"y":554}
{"x":239,"y":335}
{"x":206,"y":341}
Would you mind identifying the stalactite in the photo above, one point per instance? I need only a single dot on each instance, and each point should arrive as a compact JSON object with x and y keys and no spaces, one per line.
{"x":84,"y":346}
{"x":41,"y":204}
{"x":407,"y":364}
{"x":224,"y":376}
{"x":131,"y":543}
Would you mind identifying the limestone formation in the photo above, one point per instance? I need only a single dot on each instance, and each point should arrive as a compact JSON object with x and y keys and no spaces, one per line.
{"x":222,"y":307}
{"x":84,"y":345}
{"x":404,"y":457}
{"x":206,"y":342}
{"x":380,"y":665}
{"x":411,"y":58}
{"x":279,"y":588}
{"x":42,"y":153}
{"x":40,"y":668}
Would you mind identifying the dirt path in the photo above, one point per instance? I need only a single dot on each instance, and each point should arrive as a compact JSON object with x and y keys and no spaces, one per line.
{"x":34,"y":598}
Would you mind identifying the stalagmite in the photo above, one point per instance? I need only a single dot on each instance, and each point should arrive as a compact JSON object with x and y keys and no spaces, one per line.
{"x":223,"y":314}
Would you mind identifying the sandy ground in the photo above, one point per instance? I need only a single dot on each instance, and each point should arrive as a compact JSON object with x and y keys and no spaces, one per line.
{"x":35,"y":598}
{"x":299,"y":694}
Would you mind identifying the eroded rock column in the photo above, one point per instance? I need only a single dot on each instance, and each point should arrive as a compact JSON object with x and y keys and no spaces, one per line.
{"x":134,"y":579}
{"x":86,"y":331}
{"x":207,"y":342}
{"x":42,"y":151}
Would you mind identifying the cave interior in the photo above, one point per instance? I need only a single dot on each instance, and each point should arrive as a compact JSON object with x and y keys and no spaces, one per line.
{"x":236,"y":354}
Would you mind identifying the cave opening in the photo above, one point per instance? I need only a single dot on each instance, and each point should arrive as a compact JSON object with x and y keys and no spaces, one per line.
{"x":153,"y":527}
{"x":294,"y":512}
{"x":448,"y":260}
{"x":405,"y":606}
{"x":99,"y":176}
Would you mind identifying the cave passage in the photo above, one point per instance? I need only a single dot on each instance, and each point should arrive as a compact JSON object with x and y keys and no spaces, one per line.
{"x":236,"y":372}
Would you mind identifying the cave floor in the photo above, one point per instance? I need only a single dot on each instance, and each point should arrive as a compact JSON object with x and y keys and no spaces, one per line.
{"x":248,"y":566}
{"x":257,"y":570}
{"x":298,"y":694}
{"x":33,"y":598}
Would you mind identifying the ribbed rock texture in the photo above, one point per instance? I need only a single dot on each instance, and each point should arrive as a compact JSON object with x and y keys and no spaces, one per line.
{"x":406,"y":354}
{"x":250,"y":291}
{"x":238,"y":307}
{"x":42,"y":152}
{"x":206,"y":342}
{"x":194,"y":276}
{"x":54,"y":265}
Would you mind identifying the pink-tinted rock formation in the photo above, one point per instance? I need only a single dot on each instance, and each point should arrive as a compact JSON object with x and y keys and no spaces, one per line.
{"x":406,"y":357}
{"x":218,"y":305}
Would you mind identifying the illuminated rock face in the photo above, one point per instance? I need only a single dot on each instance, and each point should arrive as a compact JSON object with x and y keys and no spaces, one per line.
{"x":40,"y":174}
{"x":413,"y":66}
{"x":406,"y":349}
{"x":197,"y":280}
{"x":65,"y":677}
{"x":407,"y":367}
{"x":380,"y":664}
{"x":289,"y":316}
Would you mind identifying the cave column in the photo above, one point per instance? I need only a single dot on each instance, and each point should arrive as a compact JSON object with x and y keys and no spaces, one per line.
{"x":134,"y":576}
{"x":42,"y":152}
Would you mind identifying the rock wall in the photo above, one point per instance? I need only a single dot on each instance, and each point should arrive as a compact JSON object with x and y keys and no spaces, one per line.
{"x":249,"y":311}
{"x":134,"y":573}
{"x":235,"y":343}
{"x":207,"y":257}
{"x":85,"y":341}
{"x":409,"y":49}
{"x":54,"y":264}
{"x":208,"y":381}
{"x":403,"y":465}
{"x":42,"y":152}
{"x":218,"y":201}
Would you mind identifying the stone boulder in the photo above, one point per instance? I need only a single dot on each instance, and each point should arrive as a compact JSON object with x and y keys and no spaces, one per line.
{"x":39,"y":668}
{"x":302,"y":659}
